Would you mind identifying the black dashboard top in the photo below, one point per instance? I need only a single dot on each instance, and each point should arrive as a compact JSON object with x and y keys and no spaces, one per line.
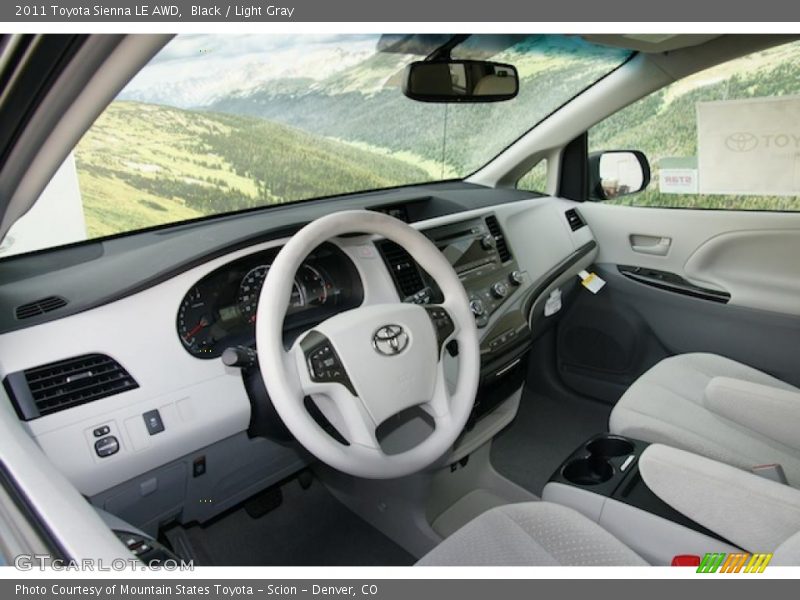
{"x":90,"y":274}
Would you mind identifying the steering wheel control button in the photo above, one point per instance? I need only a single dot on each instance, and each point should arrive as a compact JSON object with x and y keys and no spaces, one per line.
{"x":442,"y":324}
{"x":390,"y":340}
{"x":323,"y":362}
{"x":153,"y":422}
{"x":324,"y":365}
{"x":424,"y":296}
{"x":101,"y":431}
{"x":106,"y":446}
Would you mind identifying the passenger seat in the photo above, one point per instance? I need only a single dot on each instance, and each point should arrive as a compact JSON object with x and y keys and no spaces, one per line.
{"x":716,"y":407}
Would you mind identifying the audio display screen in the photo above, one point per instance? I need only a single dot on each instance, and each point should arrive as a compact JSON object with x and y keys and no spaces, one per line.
{"x":464,"y":252}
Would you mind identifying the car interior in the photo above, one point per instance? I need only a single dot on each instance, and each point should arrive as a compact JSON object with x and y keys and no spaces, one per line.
{"x":577,"y":347}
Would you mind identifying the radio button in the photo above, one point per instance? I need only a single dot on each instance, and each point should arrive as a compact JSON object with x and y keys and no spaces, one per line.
{"x":488,"y":242}
{"x":516,"y":277}
{"x":499,"y":290}
{"x":477,"y":307}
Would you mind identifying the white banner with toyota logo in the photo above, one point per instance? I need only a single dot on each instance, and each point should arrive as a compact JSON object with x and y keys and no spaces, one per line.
{"x":749,"y":147}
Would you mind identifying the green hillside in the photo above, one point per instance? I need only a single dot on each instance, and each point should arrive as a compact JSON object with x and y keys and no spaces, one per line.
{"x":142,"y":165}
{"x":353,"y":105}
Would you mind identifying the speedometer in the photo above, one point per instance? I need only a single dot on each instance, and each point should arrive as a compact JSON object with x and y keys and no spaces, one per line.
{"x":250,"y":290}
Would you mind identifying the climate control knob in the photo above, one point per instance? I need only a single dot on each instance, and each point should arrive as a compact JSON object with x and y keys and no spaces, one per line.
{"x":477,"y":307}
{"x":516,"y":277}
{"x":488,"y":242}
{"x":499,"y":290}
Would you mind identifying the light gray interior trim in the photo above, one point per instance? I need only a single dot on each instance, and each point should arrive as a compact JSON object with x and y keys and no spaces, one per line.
{"x":404,"y":509}
{"x":70,"y":519}
{"x":757,"y":267}
{"x":755,"y":513}
{"x":17,"y":535}
{"x":654,"y":538}
{"x":770,"y":411}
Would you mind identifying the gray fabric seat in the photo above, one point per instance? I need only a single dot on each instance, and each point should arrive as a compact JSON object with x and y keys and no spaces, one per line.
{"x":531,"y":534}
{"x":666,"y":405}
{"x":548,"y":534}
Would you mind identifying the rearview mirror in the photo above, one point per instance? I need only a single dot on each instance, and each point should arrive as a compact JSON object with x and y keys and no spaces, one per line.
{"x":617,"y":173}
{"x":460,"y":81}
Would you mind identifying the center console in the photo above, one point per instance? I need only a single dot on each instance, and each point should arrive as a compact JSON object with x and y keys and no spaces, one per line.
{"x":481,"y":255}
{"x":601,"y":479}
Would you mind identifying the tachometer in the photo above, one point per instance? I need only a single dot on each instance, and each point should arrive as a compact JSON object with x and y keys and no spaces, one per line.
{"x":314,"y":285}
{"x":195,"y":317}
{"x":250,"y":290}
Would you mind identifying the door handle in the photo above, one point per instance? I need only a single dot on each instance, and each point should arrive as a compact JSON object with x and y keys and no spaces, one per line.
{"x":650,"y":244}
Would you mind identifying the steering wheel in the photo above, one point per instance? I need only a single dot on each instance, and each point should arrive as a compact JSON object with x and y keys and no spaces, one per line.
{"x":364,"y":365}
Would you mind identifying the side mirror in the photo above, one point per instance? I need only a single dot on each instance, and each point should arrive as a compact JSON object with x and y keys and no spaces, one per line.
{"x":460,"y":81}
{"x":617,"y":173}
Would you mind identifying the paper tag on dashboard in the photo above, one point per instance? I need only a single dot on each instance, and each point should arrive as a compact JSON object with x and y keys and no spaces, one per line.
{"x":553,"y":303}
{"x":591,"y":281}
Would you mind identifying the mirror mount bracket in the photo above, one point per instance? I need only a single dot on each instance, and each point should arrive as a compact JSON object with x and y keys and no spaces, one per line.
{"x":442,"y":53}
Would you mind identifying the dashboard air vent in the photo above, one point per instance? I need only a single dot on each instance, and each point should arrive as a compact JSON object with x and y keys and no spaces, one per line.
{"x":67,"y":383}
{"x":499,"y":238}
{"x":574,"y":219}
{"x":403,"y":268}
{"x":39,"y":307}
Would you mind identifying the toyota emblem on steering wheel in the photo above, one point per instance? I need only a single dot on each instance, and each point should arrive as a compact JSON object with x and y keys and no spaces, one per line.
{"x":390,"y":340}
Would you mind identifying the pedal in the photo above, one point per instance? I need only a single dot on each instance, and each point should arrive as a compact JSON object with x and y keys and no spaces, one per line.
{"x":305,"y":478}
{"x":262,"y":503}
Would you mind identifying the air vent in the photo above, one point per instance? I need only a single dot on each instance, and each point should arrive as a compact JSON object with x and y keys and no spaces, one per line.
{"x":574,"y":219}
{"x":39,"y":307}
{"x":61,"y":385}
{"x":499,"y":238}
{"x":403,"y":268}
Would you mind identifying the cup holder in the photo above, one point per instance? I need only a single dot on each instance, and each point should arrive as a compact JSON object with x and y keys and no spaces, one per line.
{"x":592,"y":470}
{"x":595,"y":462}
{"x":610,"y":446}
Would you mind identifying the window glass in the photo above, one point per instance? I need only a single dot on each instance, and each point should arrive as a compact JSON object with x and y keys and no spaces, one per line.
{"x":725,"y":138}
{"x":222,"y":123}
{"x":535,"y":180}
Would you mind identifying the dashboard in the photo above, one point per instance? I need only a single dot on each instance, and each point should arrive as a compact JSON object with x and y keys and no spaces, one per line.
{"x":219,"y":310}
{"x":160,"y":307}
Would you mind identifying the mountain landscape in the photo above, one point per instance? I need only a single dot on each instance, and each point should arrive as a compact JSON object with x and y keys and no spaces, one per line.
{"x":208,"y":128}
{"x":194,"y":163}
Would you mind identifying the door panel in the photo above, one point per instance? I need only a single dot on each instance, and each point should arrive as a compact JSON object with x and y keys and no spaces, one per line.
{"x":759,"y":268}
{"x":656,"y":306}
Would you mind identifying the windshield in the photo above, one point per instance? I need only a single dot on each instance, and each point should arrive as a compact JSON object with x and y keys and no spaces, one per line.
{"x":221,"y":123}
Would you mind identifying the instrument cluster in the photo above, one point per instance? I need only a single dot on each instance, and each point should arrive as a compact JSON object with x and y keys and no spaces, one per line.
{"x":219,"y":311}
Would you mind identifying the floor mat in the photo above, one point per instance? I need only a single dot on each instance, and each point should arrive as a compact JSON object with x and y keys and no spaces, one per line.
{"x":544,"y":433}
{"x":310,"y":528}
